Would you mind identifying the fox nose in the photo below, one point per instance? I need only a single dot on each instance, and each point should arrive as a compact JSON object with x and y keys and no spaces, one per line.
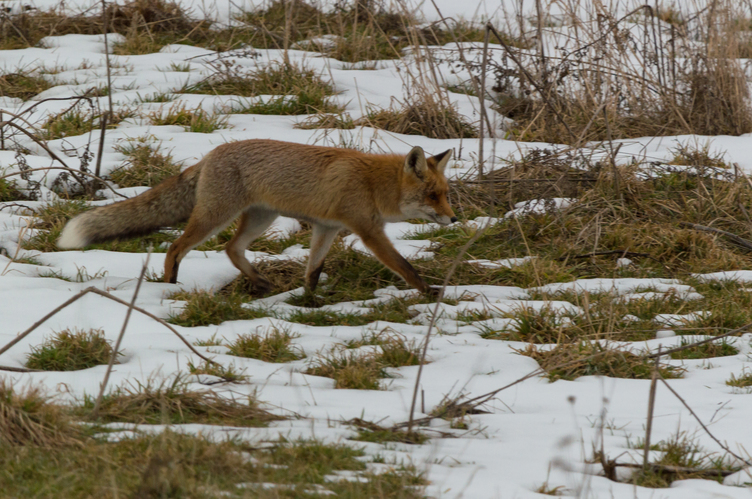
{"x":454,"y":219}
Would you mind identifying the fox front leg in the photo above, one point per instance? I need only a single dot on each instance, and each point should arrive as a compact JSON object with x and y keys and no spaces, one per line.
{"x":382,"y":248}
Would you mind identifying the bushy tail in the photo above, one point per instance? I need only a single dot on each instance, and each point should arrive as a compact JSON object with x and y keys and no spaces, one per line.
{"x":167,"y":204}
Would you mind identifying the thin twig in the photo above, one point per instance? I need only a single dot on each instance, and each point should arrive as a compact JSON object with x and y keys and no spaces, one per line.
{"x":709,"y":473}
{"x":122,"y":331}
{"x":107,"y":59}
{"x":19,"y":369}
{"x":113,"y":298}
{"x":87,"y":174}
{"x":623,"y":253}
{"x":697,"y":418}
{"x":651,"y":407}
{"x":738,"y":240}
{"x":439,"y":299}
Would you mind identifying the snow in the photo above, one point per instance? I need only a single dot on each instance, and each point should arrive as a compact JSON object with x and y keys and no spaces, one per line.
{"x":535,"y":432}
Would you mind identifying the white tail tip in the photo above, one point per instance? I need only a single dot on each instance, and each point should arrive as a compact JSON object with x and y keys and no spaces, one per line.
{"x":72,"y":236}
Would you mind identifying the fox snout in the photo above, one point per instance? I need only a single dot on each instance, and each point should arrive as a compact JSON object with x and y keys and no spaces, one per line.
{"x":444,"y":219}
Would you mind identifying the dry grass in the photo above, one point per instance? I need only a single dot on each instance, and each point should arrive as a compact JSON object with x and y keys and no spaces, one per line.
{"x":147,"y":25}
{"x":171,"y":402}
{"x":145,"y":165}
{"x":350,"y":370}
{"x":427,"y":116}
{"x":603,"y":89}
{"x":22,"y":85}
{"x":594,"y":359}
{"x":681,"y":459}
{"x":193,"y":120}
{"x":71,"y":350}
{"x":28,"y":418}
{"x":274,"y":346}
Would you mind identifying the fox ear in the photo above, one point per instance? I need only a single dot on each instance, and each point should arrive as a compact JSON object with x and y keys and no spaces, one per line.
{"x":441,"y":160}
{"x":415,"y":162}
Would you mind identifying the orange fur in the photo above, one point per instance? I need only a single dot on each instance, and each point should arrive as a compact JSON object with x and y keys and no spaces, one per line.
{"x":260,"y":179}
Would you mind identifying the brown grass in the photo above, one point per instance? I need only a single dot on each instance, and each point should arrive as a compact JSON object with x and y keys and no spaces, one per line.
{"x":570,"y":361}
{"x":171,"y":402}
{"x":28,"y":418}
{"x":22,"y":85}
{"x":600,"y":91}
{"x":427,"y":115}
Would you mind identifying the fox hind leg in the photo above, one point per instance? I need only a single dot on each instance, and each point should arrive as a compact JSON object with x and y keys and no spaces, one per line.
{"x":253,"y":223}
{"x":203,"y":224}
{"x":196,"y":232}
{"x":321,"y":240}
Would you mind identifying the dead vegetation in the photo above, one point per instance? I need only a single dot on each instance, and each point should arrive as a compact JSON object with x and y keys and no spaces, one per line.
{"x":29,"y":418}
{"x":22,"y":85}
{"x":628,"y":77}
{"x":171,"y":402}
{"x":429,"y":117}
{"x":572,"y":360}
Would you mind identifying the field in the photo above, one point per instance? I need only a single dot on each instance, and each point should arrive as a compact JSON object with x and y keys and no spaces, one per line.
{"x":594,"y":328}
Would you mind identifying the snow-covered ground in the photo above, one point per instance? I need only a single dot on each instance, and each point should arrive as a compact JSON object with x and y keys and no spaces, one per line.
{"x":533,"y":433}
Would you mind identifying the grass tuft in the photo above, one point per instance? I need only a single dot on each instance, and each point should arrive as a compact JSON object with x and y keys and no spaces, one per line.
{"x":171,"y":402}
{"x":743,"y":381}
{"x":274,"y":346}
{"x":145,"y":165}
{"x":705,"y":351}
{"x":9,"y":191}
{"x":27,"y":418}
{"x":78,"y":122}
{"x":371,"y":432}
{"x":570,"y":361}
{"x":423,"y":115}
{"x":350,"y":370}
{"x":22,"y":85}
{"x":71,"y":351}
{"x":681,"y":459}
{"x":301,"y":90}
{"x":193,"y":120}
{"x":203,"y":308}
{"x":228,"y":374}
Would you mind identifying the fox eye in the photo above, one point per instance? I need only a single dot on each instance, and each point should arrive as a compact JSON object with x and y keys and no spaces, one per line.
{"x":433,"y":197}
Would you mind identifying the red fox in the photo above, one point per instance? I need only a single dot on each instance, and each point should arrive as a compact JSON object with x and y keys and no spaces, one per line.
{"x":259,"y":180}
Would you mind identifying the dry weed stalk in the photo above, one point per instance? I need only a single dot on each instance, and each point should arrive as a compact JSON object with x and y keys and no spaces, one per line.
{"x":613,"y":78}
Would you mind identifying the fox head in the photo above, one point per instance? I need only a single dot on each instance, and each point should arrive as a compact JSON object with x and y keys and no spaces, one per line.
{"x":425,"y":188}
